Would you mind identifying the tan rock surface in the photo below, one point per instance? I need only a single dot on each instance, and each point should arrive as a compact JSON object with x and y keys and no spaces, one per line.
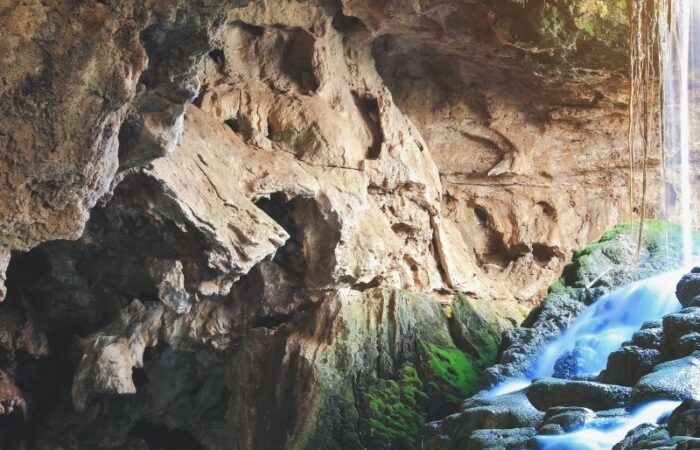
{"x":360,"y":198}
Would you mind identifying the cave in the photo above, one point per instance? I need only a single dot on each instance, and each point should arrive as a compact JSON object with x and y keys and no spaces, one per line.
{"x":349,"y":225}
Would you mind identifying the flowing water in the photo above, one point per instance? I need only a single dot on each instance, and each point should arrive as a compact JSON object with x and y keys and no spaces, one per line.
{"x":605,"y":325}
{"x":609,"y":322}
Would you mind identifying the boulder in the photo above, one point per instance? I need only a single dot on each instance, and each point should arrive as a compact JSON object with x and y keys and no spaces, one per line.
{"x":502,"y":412}
{"x":495,"y":439}
{"x":685,"y":420}
{"x":650,"y":337}
{"x":688,"y":344}
{"x":688,"y":287}
{"x":642,"y":436}
{"x":568,"y":418}
{"x":675,"y":326}
{"x":628,"y":364}
{"x":550,"y":392}
{"x":672,"y":380}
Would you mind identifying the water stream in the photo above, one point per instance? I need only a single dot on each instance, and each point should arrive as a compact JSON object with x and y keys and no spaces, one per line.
{"x":605,"y":325}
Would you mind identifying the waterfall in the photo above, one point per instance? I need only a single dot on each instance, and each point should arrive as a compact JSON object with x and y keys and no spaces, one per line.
{"x":676,"y":54}
{"x":664,"y":34}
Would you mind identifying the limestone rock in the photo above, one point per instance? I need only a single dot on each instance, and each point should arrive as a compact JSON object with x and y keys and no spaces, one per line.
{"x":4,"y":261}
{"x":688,"y":287}
{"x":275,"y":244}
{"x":684,"y":419}
{"x":510,"y":439}
{"x":502,"y":412}
{"x":84,"y":64}
{"x":628,"y":364}
{"x":109,"y":357}
{"x":672,"y":380}
{"x":551,"y":392}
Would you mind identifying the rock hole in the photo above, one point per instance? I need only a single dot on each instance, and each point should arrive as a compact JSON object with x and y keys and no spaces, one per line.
{"x":160,"y":437}
{"x":347,"y":24}
{"x":270,"y":321}
{"x":481,"y":215}
{"x":251,"y":29}
{"x":290,"y":256}
{"x":543,"y":253}
{"x":138,"y":375}
{"x":217,"y":55}
{"x":369,"y":109}
{"x":298,"y":60}
{"x":547,"y":209}
{"x":233,"y":124}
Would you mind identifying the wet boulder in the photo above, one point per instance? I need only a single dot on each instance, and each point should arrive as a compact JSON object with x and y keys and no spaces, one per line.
{"x":675,"y":326}
{"x":502,"y":412}
{"x":650,"y":337}
{"x":550,"y":392}
{"x":572,"y":362}
{"x":685,"y":420}
{"x":495,"y":439}
{"x":688,"y":287}
{"x":567,"y":418}
{"x":687,"y":344}
{"x":628,"y":364}
{"x":644,"y":436}
{"x":673,"y":380}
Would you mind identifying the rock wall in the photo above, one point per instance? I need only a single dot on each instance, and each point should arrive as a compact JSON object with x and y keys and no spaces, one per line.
{"x":294,"y":224}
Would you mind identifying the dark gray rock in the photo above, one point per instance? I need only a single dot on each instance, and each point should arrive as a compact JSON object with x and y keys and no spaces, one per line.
{"x":642,"y":436}
{"x":502,"y":412}
{"x":672,"y":380}
{"x":675,"y":326}
{"x":568,"y":418}
{"x":628,"y":364}
{"x":521,"y":346}
{"x":648,"y":337}
{"x":550,"y":392}
{"x":687,"y":344}
{"x":688,"y":288}
{"x":685,"y":420}
{"x":494,"y":439}
{"x":551,"y":429}
{"x":651,"y":324}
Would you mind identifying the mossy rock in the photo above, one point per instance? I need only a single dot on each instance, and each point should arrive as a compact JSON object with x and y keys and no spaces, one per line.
{"x":610,"y":260}
{"x":392,"y":366}
{"x":575,"y":37}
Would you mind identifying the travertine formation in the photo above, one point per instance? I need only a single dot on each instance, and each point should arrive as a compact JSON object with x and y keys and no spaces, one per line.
{"x":298,"y":224}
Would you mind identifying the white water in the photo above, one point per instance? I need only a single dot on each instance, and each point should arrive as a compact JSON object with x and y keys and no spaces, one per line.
{"x":605,"y":434}
{"x":678,"y":38}
{"x":605,"y":325}
{"x":609,"y":322}
{"x":597,"y":332}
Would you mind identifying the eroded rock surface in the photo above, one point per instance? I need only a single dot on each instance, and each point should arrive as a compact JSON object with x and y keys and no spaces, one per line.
{"x":297,"y":224}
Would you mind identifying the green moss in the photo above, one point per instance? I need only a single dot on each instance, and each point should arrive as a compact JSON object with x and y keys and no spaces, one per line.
{"x":453,"y":373}
{"x":396,"y":410}
{"x":474,"y":330}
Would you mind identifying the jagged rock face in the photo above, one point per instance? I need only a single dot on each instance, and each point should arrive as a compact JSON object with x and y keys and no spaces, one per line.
{"x":508,"y":140}
{"x":73,"y":72}
{"x":313,"y":220}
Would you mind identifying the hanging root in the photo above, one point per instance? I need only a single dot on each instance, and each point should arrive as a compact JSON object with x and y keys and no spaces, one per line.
{"x":644,"y":16}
